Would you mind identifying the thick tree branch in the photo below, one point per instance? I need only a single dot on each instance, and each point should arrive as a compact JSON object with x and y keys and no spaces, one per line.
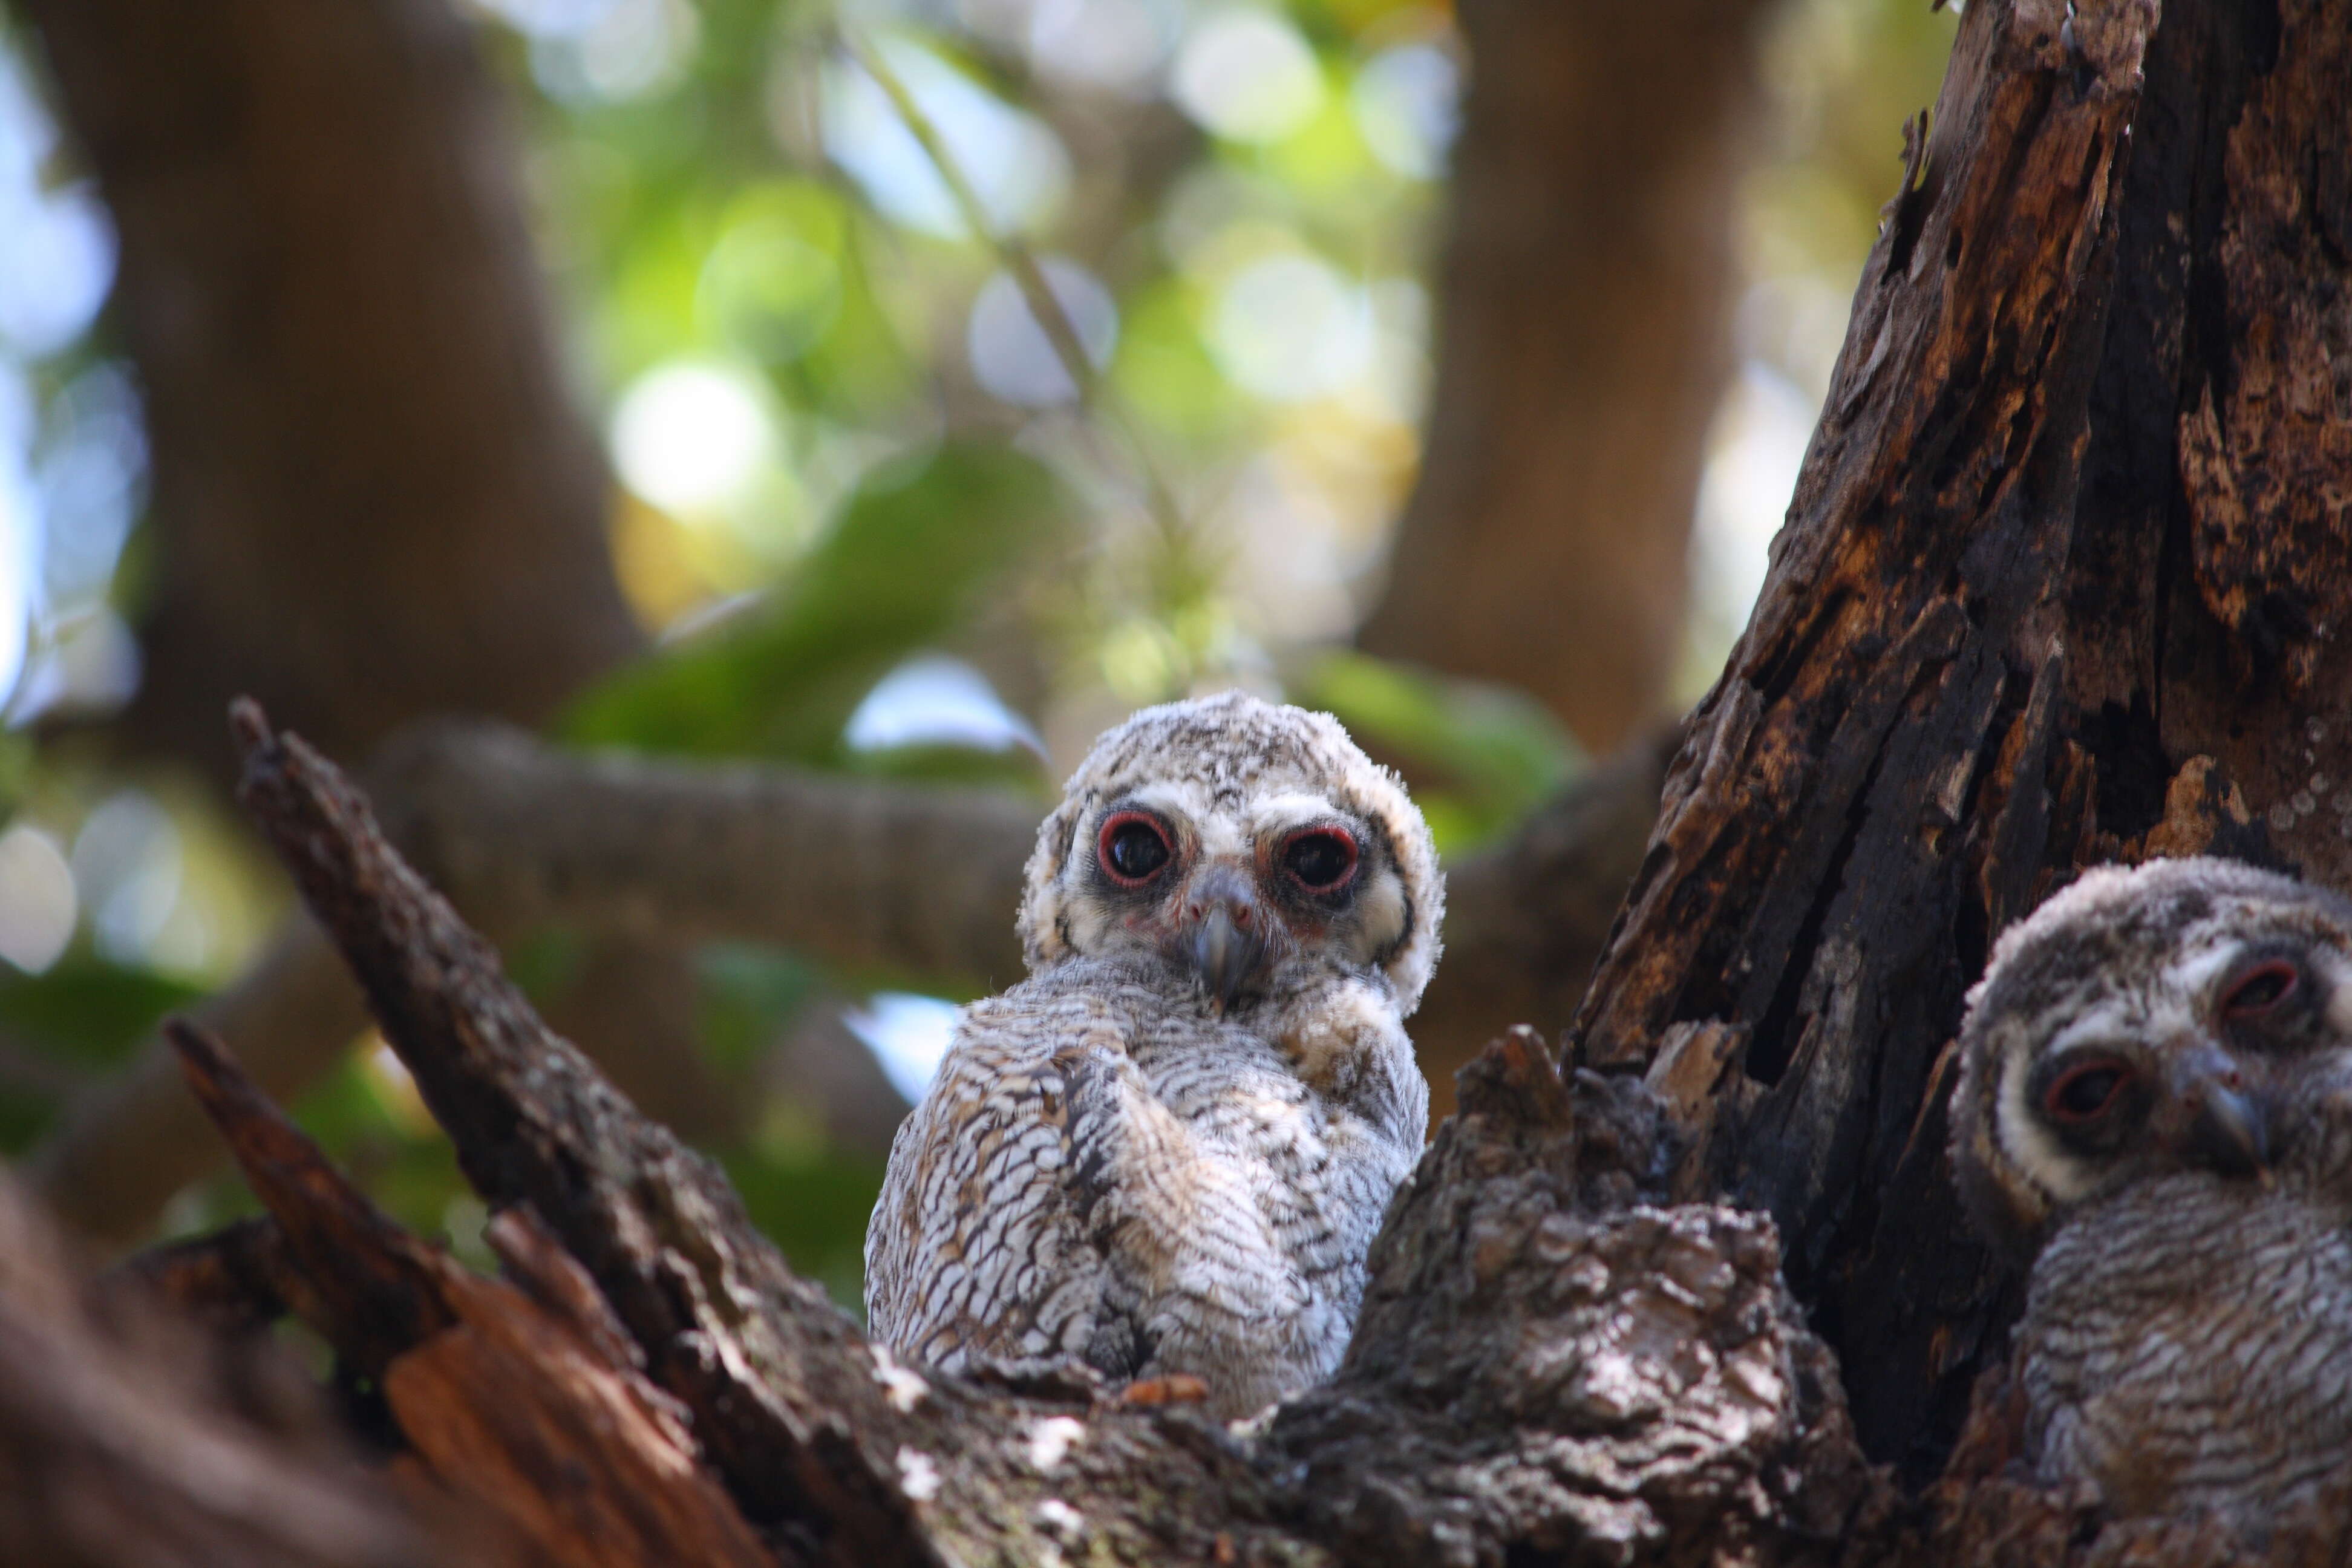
{"x":878,"y":878}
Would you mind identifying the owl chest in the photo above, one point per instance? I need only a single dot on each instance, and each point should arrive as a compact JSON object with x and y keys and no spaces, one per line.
{"x":2192,"y":1348}
{"x":1316,"y":1169}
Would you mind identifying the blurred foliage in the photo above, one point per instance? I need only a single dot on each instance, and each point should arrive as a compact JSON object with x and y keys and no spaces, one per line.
{"x":919,"y":546}
{"x":62,"y":1027}
{"x":843,"y":446}
{"x":1478,"y":757}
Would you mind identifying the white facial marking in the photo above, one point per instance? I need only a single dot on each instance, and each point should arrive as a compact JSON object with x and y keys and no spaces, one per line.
{"x":2030,"y":1146}
{"x":2336,"y":970}
{"x":2193,"y":974}
{"x":1273,"y":817}
{"x":1381,"y":913}
{"x":2112,"y":1023}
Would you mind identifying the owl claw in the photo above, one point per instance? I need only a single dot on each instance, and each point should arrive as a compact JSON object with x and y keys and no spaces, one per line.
{"x":1176,"y":1388}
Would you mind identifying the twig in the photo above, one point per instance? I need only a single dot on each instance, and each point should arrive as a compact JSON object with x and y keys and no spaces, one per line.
{"x":1015,"y":254}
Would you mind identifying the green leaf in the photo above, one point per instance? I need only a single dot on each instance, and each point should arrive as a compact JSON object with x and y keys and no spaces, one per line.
{"x":919,"y":549}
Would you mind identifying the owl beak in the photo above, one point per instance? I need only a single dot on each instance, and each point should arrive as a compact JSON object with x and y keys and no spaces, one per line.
{"x":2228,"y":1128}
{"x":1226,"y":943}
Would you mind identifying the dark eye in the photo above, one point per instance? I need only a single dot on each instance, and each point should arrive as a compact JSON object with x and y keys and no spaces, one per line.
{"x":1133,"y":848}
{"x":1321,"y":859}
{"x":2086,"y":1092}
{"x":2259,"y":990}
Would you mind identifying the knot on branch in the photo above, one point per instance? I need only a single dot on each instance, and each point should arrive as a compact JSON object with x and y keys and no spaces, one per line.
{"x":1549,"y":1358}
{"x":1610,"y":1138}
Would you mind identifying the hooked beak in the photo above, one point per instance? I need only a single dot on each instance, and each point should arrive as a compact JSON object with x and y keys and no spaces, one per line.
{"x":2229,"y":1129}
{"x":1225,"y":934}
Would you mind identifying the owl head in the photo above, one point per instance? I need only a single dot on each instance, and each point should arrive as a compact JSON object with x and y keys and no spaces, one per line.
{"x":1239,"y":841}
{"x":2182,"y":1015}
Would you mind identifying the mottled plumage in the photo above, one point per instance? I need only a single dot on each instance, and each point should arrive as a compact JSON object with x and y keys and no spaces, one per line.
{"x":2155,"y":1107}
{"x":1168,"y":1149}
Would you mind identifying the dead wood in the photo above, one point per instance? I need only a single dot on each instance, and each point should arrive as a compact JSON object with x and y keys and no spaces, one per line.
{"x":2014,"y":627}
{"x":2062,"y":582}
{"x":842,"y":1454}
{"x":529,"y":1406}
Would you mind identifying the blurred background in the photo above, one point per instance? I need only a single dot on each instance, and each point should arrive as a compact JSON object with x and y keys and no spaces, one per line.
{"x":901,"y":388}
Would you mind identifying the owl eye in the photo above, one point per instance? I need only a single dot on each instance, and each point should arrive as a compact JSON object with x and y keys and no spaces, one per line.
{"x":2259,"y":990}
{"x":2087,"y":1091}
{"x":1321,"y":859}
{"x":1133,"y":848}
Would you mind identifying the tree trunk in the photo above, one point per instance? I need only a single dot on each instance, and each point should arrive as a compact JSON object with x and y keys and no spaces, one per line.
{"x":2063,"y":583}
{"x":1584,"y":308}
{"x":373,"y":497}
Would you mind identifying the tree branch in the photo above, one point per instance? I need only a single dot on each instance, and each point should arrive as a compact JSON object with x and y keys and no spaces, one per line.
{"x":875,"y":878}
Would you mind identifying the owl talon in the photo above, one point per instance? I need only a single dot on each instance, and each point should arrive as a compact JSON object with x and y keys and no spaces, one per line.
{"x":1176,"y":1388}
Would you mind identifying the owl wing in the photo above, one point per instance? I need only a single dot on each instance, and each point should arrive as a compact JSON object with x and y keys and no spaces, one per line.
{"x":1193,"y":1263}
{"x":976,"y":1247}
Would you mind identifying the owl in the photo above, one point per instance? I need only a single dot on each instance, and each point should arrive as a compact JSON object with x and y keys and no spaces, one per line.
{"x":1166,"y":1151}
{"x":2155,"y":1109}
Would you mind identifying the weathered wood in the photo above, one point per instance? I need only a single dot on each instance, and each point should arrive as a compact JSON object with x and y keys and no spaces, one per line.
{"x":233,"y":1281}
{"x":538,"y":1419}
{"x":2064,"y":581}
{"x":845,"y":1455}
{"x":1549,"y":1363}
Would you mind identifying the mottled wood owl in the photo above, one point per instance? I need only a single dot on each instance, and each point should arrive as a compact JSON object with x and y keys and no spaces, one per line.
{"x":1166,"y":1151}
{"x":2155,"y":1107}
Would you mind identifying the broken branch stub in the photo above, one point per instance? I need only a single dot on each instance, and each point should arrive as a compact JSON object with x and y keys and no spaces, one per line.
{"x":536,"y":1420}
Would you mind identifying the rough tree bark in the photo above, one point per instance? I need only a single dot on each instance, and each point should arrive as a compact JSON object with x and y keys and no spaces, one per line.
{"x":1585,"y":307}
{"x":2064,"y":581}
{"x":1545,"y":1362}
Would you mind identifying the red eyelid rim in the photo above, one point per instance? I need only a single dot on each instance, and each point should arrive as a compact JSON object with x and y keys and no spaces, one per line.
{"x":1322,"y":830}
{"x":1111,"y":825}
{"x":2123,"y":1070}
{"x":2270,"y":967}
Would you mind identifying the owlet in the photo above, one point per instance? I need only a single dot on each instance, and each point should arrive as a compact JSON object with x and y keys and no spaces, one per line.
{"x":2154,"y":1104}
{"x":1166,"y":1151}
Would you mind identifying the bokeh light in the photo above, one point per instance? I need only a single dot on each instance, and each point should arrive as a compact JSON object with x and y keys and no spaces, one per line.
{"x":1013,"y":357}
{"x":1017,"y":164}
{"x":692,"y":437}
{"x":1247,"y":75}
